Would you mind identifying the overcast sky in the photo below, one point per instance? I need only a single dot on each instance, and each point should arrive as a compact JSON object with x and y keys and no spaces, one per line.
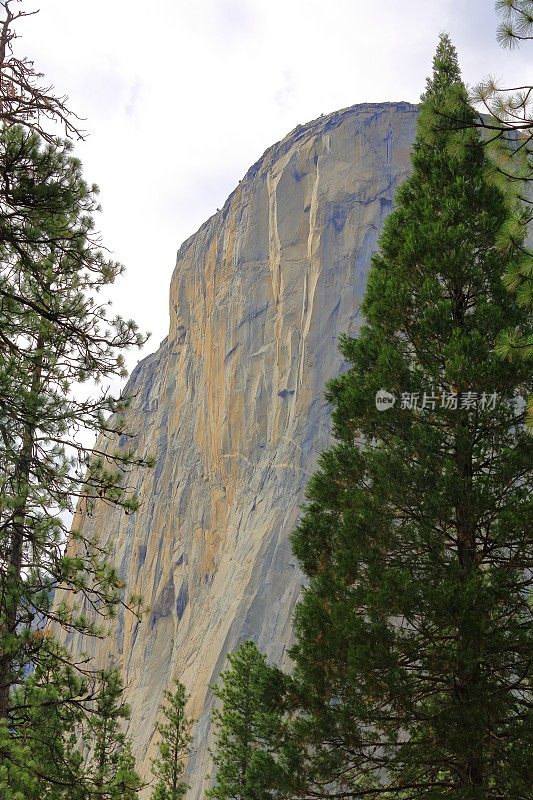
{"x":182,"y":96}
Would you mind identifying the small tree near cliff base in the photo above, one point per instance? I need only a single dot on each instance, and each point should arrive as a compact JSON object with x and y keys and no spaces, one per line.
{"x":173,"y":747}
{"x":254,"y":757}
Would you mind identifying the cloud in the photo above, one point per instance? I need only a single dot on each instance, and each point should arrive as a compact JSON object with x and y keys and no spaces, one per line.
{"x":105,"y":90}
{"x":235,"y":19}
{"x":284,"y":97}
{"x":133,"y":103}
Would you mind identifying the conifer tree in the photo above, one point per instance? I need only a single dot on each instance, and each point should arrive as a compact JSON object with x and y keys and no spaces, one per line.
{"x":127,"y":780}
{"x":507,"y":119}
{"x":109,"y":765}
{"x":413,"y":637}
{"x":41,"y":751}
{"x":254,"y":758}
{"x":510,"y":108}
{"x":65,"y":740}
{"x":173,"y":747}
{"x":24,"y":98}
{"x":54,"y":336}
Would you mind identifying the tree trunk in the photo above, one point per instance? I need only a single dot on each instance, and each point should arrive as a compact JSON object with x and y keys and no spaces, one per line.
{"x":16,"y":538}
{"x":468,"y":674}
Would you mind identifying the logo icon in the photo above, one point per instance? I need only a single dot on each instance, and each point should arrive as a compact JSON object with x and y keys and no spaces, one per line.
{"x":384,"y":400}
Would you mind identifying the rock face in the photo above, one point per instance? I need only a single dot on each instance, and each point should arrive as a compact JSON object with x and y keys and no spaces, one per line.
{"x":232,"y":404}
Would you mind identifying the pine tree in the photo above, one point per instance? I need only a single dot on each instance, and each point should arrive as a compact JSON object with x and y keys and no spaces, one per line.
{"x":24,"y":99}
{"x":16,"y":782}
{"x":109,"y":766}
{"x":413,"y":637}
{"x":54,"y":336}
{"x":127,"y":780}
{"x":42,"y":749}
{"x":446,"y":70}
{"x":254,"y":758}
{"x":66,"y":740}
{"x":507,"y":119}
{"x":173,"y":747}
{"x":516,"y":21}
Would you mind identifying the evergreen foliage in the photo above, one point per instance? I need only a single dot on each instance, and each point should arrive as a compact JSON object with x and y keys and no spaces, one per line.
{"x":65,"y":741}
{"x":516,"y":21}
{"x":446,"y":71}
{"x":109,"y":764}
{"x":173,"y":747}
{"x":254,"y":757}
{"x":54,"y":336}
{"x":41,"y":752}
{"x":508,"y":122}
{"x":413,"y":651}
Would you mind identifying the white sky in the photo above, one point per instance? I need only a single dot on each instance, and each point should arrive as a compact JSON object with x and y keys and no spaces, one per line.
{"x":182,"y":96}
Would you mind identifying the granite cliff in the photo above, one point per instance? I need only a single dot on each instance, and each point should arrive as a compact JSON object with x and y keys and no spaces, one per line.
{"x":232,"y":404}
